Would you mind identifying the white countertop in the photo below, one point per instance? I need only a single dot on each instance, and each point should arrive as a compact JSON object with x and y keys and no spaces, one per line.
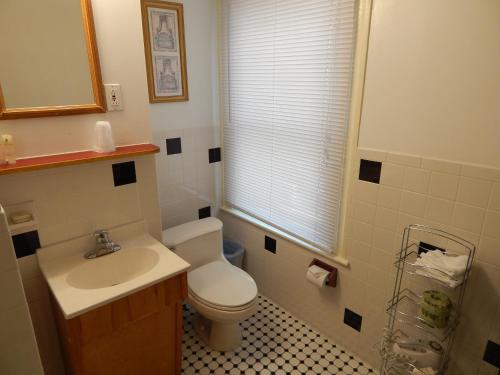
{"x":58,"y":262}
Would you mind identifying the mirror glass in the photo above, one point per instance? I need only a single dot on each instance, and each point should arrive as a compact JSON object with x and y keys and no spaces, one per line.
{"x":45,"y":59}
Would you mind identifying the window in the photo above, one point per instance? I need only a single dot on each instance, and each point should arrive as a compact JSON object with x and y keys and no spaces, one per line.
{"x":286,"y":73}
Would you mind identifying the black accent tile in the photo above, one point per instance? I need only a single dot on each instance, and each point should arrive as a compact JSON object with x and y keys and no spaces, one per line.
{"x":352,"y":319}
{"x":424,"y":247}
{"x":26,"y":243}
{"x":214,"y":155}
{"x":492,"y":354}
{"x":174,"y":146}
{"x":124,"y":173}
{"x":270,"y":244}
{"x":204,"y":212}
{"x":370,"y":171}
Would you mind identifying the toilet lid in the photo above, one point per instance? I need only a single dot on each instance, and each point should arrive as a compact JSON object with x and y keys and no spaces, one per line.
{"x":222,"y":284}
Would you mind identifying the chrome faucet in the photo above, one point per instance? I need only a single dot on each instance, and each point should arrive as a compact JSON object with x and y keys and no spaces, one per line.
{"x":104,"y":245}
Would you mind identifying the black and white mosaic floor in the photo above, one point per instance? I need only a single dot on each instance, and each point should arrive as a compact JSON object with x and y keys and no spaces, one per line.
{"x":274,"y":342}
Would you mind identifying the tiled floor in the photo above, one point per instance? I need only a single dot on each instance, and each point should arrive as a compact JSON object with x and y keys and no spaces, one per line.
{"x":274,"y":342}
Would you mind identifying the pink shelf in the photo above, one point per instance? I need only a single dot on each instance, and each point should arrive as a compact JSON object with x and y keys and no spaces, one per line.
{"x":73,"y":158}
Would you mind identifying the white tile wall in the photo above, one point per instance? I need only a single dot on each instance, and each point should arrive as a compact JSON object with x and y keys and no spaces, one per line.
{"x":439,"y":210}
{"x":492,"y":224}
{"x":495,"y":198}
{"x":443,"y":185}
{"x":19,"y":353}
{"x":462,"y":199}
{"x":392,"y":175}
{"x":71,"y":202}
{"x":441,"y":166}
{"x":389,"y":197}
{"x":186,"y":181}
{"x":404,"y":159}
{"x":474,"y":191}
{"x":468,"y":218}
{"x":416,"y":180}
{"x":413,"y":203}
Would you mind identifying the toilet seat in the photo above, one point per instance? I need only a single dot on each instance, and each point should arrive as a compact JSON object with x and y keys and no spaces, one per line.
{"x":222,"y":286}
{"x":194,"y":298}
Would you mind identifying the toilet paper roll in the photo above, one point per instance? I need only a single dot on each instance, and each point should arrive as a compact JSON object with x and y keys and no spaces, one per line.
{"x":317,"y":276}
{"x":104,"y":137}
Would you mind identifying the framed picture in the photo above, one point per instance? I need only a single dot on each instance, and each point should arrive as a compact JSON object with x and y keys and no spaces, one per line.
{"x":163,"y":27}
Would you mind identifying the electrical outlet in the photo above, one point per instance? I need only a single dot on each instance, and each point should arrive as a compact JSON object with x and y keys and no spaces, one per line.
{"x":114,"y":97}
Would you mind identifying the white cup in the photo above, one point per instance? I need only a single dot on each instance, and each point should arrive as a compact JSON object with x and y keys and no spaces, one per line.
{"x":104,"y":137}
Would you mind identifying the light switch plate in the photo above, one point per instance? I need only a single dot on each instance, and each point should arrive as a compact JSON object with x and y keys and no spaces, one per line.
{"x":114,"y":96}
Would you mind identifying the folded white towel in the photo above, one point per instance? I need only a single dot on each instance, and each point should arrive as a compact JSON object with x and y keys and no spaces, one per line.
{"x":424,"y":371}
{"x":428,"y":272}
{"x":446,"y":268}
{"x":453,"y":266}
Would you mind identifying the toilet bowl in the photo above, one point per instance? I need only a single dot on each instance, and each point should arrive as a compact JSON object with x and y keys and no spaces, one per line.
{"x":222,"y":295}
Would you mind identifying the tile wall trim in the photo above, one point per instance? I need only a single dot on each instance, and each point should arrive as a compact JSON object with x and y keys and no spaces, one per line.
{"x":485,"y":172}
{"x":464,"y":198}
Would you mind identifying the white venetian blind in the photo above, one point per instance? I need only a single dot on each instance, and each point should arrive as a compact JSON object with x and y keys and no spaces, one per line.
{"x":287,"y":70}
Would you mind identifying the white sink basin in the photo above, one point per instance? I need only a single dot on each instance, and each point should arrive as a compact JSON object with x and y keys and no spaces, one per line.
{"x":113,"y":269}
{"x":79,"y":284}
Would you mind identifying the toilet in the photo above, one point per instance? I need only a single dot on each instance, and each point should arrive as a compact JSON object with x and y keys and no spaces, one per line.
{"x":222,"y":295}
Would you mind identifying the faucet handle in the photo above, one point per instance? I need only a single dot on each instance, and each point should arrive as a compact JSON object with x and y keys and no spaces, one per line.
{"x":102,"y":235}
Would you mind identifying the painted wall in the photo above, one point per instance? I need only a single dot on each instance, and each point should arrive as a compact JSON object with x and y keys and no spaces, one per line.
{"x":433,"y":83}
{"x":187,"y":181}
{"x":121,"y":50}
{"x":71,"y":202}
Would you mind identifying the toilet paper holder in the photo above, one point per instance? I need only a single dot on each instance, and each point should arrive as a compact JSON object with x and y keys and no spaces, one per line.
{"x":331,"y":279}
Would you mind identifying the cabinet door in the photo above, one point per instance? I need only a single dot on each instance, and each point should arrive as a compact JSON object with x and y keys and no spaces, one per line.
{"x":138,"y":334}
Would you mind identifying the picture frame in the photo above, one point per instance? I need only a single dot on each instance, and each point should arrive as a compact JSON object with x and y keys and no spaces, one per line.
{"x":164,"y":46}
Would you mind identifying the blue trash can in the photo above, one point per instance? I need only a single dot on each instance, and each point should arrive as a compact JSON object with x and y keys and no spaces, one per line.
{"x":234,"y":253}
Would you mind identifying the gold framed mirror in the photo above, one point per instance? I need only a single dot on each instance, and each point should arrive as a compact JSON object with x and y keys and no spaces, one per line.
{"x":50,"y":63}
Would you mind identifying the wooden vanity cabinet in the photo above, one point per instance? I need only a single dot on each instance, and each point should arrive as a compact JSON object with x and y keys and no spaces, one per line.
{"x":140,"y":334}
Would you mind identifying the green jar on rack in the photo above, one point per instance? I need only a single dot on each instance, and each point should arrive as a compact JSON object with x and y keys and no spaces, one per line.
{"x":435,"y":308}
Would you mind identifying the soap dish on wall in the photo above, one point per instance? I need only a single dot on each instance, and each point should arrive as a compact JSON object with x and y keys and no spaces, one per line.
{"x":24,"y":217}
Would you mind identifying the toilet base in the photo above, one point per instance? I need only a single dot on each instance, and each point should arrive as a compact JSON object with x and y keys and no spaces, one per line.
{"x":220,"y":336}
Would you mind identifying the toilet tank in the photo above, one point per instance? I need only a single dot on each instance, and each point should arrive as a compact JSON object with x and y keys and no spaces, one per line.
{"x":197,"y":242}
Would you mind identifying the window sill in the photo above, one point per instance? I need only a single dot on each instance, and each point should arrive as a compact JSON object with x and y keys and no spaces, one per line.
{"x":269,"y":228}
